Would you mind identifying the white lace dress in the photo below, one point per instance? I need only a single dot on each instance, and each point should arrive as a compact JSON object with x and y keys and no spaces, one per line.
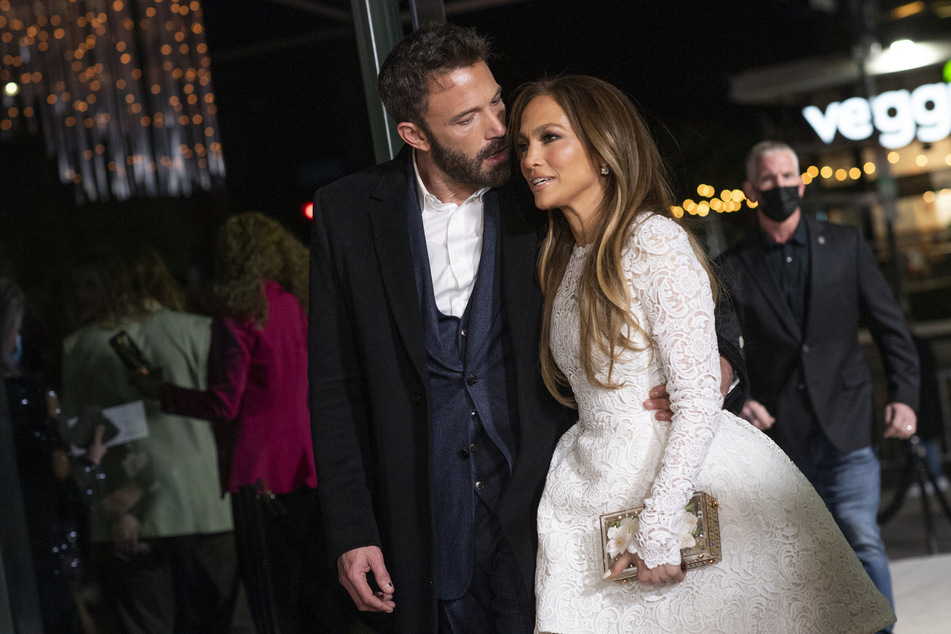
{"x":786,"y":566}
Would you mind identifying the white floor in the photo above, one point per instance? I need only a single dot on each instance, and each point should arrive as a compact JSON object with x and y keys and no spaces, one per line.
{"x":922,"y":587}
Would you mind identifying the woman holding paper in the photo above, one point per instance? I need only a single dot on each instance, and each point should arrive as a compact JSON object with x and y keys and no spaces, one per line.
{"x":162,"y":530}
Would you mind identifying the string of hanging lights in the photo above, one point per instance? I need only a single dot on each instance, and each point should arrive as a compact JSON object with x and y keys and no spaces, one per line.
{"x":120,"y":89}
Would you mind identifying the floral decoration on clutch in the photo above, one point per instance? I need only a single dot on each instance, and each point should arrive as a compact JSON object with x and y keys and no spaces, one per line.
{"x":699,"y":535}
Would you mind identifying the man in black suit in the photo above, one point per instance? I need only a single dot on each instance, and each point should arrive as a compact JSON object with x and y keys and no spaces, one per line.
{"x":800,"y":287}
{"x":432,"y":429}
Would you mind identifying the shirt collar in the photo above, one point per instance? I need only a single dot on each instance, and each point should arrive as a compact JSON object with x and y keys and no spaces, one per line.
{"x":430,"y":203}
{"x":798,"y":238}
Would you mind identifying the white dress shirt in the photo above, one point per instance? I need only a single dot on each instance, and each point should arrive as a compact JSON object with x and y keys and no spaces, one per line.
{"x":454,"y":243}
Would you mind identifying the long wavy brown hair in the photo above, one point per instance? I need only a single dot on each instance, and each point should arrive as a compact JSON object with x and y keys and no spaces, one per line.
{"x":250,"y":250}
{"x":614,"y":134}
{"x":130,"y":280}
{"x":143,"y":278}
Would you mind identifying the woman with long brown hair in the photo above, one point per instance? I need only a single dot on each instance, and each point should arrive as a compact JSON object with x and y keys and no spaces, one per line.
{"x":629,"y":303}
{"x":161,"y":532}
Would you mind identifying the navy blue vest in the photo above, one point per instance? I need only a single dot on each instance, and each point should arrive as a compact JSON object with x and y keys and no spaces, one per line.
{"x":473,"y":416}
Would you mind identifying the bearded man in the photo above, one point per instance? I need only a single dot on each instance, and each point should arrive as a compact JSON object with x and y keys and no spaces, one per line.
{"x":432,"y":429}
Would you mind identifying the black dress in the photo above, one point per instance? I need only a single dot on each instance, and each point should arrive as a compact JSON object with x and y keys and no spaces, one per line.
{"x":53,"y":507}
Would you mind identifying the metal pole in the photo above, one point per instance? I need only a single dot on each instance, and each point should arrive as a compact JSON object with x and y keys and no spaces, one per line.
{"x":377,"y":24}
{"x":427,"y":11}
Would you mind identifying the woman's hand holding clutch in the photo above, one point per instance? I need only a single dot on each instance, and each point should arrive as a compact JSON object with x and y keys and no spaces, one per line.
{"x":661,"y":575}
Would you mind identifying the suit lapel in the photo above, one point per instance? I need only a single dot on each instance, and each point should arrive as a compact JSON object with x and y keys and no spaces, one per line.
{"x":755,"y":261}
{"x":389,"y":226}
{"x":481,"y":303}
{"x":521,"y":297}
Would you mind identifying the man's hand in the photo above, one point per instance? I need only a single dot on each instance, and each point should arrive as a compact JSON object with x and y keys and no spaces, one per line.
{"x":757,"y":415}
{"x":661,"y":575}
{"x":900,"y":421}
{"x":352,"y":569}
{"x":659,"y":400}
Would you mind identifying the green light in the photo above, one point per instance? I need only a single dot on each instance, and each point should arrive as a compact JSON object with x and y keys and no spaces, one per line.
{"x":947,"y":72}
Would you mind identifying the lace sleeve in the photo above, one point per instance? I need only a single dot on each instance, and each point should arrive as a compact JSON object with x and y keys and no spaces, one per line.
{"x":673,"y":289}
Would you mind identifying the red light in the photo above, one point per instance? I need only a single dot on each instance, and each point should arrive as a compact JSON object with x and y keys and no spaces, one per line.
{"x":307,"y":210}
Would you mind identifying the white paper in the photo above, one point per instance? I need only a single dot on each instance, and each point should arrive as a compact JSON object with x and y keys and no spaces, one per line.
{"x":129,"y":419}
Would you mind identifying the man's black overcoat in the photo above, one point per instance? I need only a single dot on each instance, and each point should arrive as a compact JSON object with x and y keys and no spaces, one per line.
{"x":371,"y":409}
{"x":821,"y":367}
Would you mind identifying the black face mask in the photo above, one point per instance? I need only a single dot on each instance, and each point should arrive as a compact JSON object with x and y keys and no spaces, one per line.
{"x":780,"y":202}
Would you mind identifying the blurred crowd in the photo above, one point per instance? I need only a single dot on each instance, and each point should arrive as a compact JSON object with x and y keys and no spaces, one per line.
{"x":149,"y":502}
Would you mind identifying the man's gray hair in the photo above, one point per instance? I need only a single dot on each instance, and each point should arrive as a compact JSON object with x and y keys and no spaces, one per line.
{"x":762,"y":149}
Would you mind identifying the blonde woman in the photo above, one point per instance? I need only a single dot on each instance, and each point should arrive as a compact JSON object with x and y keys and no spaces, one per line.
{"x":629,"y":304}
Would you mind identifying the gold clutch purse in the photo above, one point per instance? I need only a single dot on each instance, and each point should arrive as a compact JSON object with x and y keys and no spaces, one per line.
{"x":700,"y":535}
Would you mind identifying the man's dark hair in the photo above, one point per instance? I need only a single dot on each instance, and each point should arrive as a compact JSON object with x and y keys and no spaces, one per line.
{"x":432,"y":50}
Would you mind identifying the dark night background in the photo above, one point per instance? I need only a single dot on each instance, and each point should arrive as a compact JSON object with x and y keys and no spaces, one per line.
{"x":292,"y":115}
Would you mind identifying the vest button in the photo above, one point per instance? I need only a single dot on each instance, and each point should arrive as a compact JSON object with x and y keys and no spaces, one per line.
{"x":416,"y":398}
{"x":463,"y":454}
{"x":479,"y":486}
{"x":473,"y":448}
{"x":472,"y":380}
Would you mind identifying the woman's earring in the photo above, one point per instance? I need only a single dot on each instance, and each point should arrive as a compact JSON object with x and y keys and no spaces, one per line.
{"x":604,"y":170}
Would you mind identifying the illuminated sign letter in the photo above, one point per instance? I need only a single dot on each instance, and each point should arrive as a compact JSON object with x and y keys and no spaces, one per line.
{"x":823,"y":124}
{"x":934,"y":122}
{"x":855,"y":119}
{"x":898,"y":115}
{"x":898,"y":129}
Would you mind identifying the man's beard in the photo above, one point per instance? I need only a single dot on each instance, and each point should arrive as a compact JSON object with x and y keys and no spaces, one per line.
{"x":468,"y":170}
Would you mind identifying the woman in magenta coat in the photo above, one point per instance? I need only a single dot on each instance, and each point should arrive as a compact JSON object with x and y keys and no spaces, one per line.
{"x":256,"y":398}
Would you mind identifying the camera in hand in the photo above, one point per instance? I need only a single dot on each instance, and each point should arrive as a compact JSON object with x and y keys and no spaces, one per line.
{"x":130,"y":354}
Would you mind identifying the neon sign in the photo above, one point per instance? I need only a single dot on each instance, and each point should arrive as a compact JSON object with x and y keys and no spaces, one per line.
{"x":899,"y":116}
